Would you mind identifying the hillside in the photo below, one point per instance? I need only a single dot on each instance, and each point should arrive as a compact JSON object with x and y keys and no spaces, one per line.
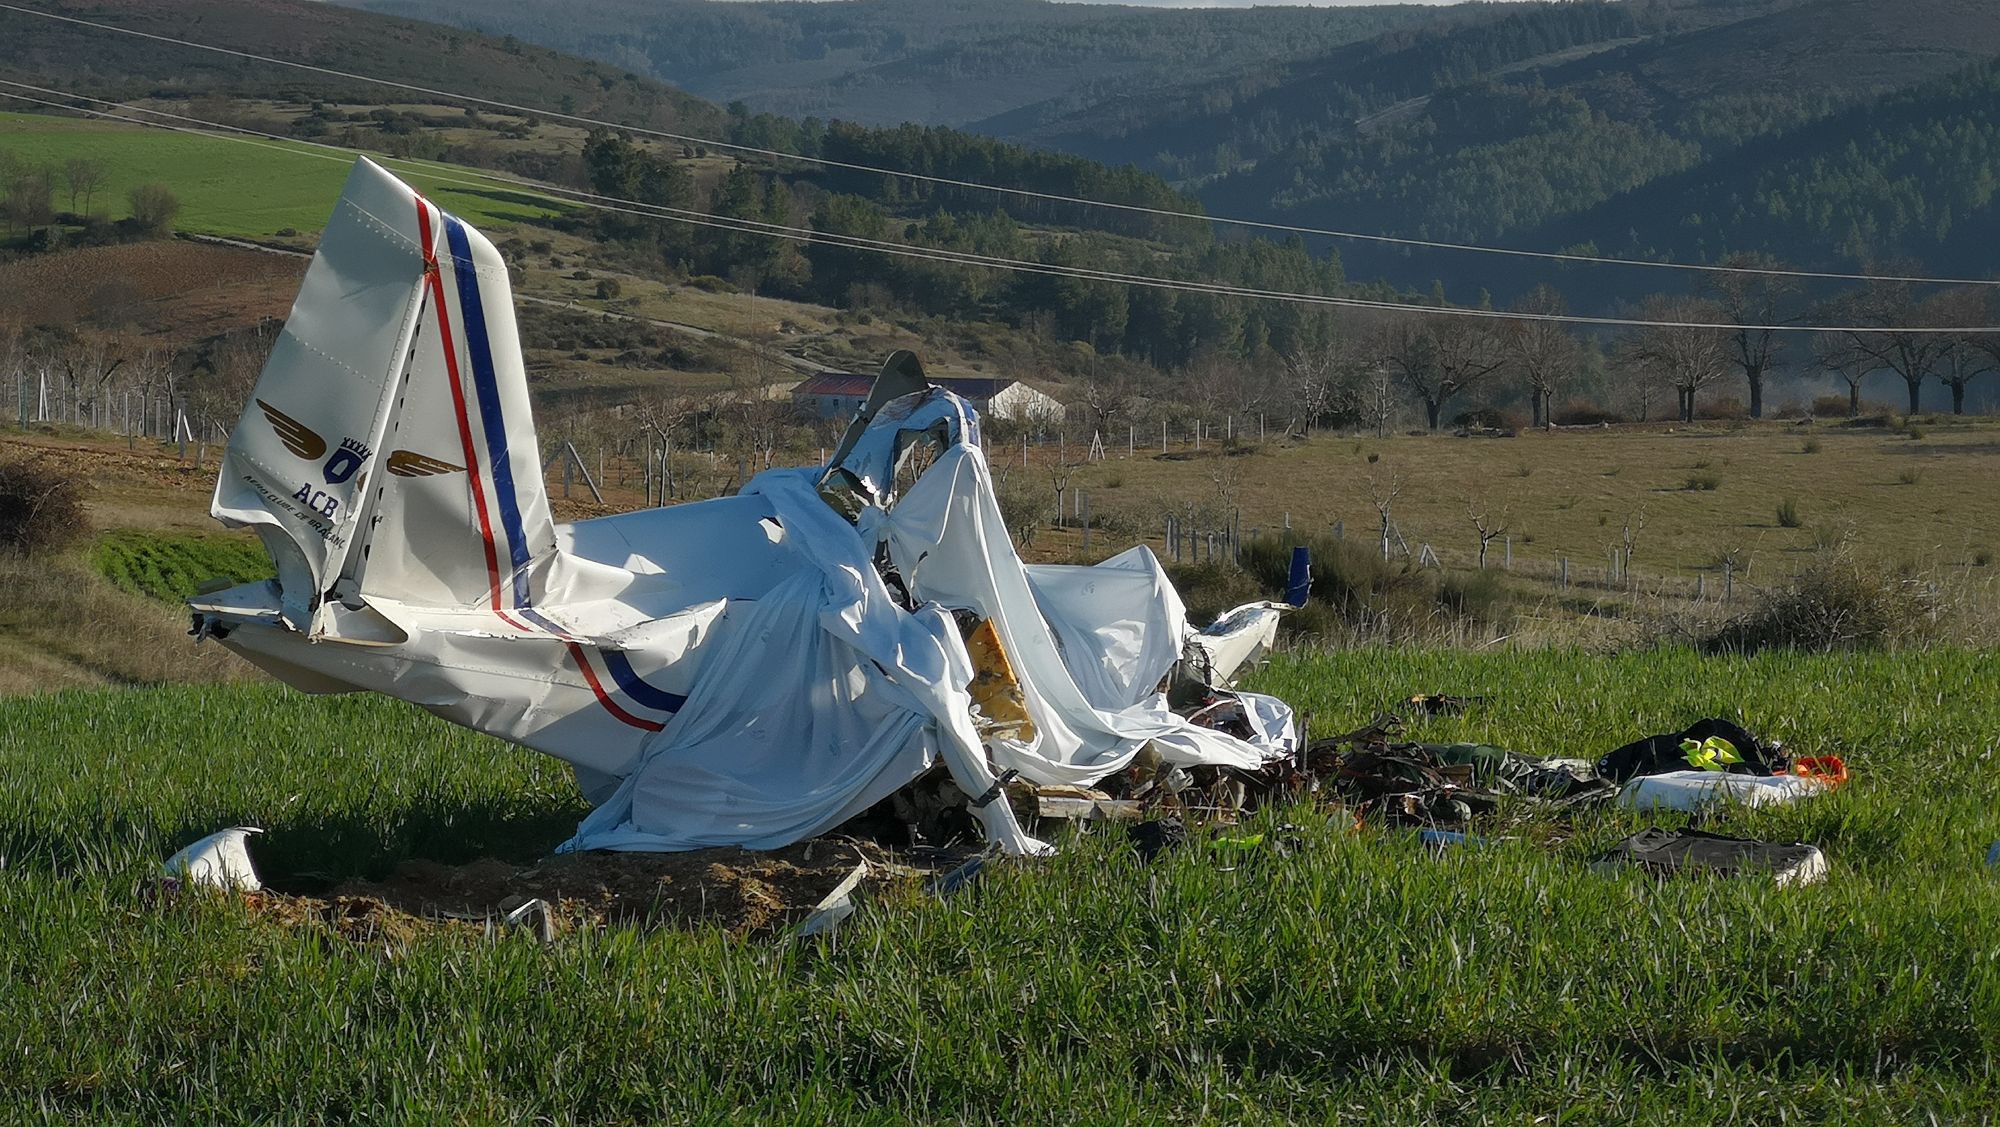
{"x":1641,"y":131}
{"x":1683,"y":128}
{"x":936,"y":62}
{"x":34,"y":50}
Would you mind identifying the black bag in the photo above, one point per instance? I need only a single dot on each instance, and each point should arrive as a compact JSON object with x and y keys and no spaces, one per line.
{"x":1658,"y":754}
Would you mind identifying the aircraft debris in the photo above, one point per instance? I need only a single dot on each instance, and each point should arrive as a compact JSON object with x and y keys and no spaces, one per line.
{"x":220,"y":860}
{"x":752,"y":670}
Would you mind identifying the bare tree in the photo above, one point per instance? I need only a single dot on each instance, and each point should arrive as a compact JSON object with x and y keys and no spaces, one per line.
{"x":1488,"y":527}
{"x":1687,"y":359}
{"x":31,"y":198}
{"x":1315,"y":380}
{"x":1544,"y":353}
{"x":1437,"y":357}
{"x":1896,"y":341}
{"x":83,"y":176}
{"x":1383,"y":495}
{"x":1059,"y":478}
{"x":1110,"y":395}
{"x":1836,"y":353}
{"x":1757,"y":304}
{"x":88,"y":365}
{"x":1966,"y":356}
{"x":1965,"y":360}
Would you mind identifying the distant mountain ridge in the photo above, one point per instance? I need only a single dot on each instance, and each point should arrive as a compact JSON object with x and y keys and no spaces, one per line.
{"x":1677,"y":128}
{"x":885,"y":62}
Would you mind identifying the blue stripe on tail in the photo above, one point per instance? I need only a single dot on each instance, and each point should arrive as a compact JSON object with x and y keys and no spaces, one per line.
{"x":487,"y":387}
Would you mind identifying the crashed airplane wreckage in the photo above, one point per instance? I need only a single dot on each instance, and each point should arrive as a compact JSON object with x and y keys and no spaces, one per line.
{"x":751,"y":670}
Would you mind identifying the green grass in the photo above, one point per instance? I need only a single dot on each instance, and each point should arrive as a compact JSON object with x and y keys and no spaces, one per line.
{"x":173,"y":566}
{"x":1359,"y":978}
{"x":225,"y":187}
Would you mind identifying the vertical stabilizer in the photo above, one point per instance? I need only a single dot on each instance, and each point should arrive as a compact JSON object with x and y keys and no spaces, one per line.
{"x":388,"y":447}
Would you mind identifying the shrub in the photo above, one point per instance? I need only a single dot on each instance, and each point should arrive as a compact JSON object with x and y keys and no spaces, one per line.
{"x":1584,"y":413}
{"x":41,"y":507}
{"x":1727,"y":407}
{"x":1703,"y":482}
{"x":1982,"y":557}
{"x":1478,"y":597}
{"x":1788,"y":513}
{"x":1356,"y":593}
{"x":1809,"y":446}
{"x":154,"y":207}
{"x":1838,"y":603}
{"x":712,"y":284}
{"x":1909,"y":476}
{"x":1489,"y":418}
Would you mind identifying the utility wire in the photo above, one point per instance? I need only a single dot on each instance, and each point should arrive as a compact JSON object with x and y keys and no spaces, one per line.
{"x":485,"y":181}
{"x":1026,"y":193}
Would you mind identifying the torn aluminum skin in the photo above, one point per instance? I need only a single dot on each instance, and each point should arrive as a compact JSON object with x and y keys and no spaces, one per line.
{"x":735,"y":671}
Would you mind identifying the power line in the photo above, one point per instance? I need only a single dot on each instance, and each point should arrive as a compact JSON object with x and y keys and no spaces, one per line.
{"x":485,"y":180}
{"x":1026,"y":193}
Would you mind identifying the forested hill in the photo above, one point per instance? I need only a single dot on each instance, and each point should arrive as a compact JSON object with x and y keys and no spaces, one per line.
{"x":108,"y":65}
{"x":1828,"y":133}
{"x":930,"y":220}
{"x":1910,"y":175}
{"x":935,"y":62}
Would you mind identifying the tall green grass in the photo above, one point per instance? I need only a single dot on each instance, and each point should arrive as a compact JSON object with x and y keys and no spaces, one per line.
{"x":173,"y":566}
{"x":1360,"y":978}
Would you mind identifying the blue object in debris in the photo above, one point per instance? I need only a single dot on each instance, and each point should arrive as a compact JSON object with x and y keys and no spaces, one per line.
{"x":1993,"y":854}
{"x":1300,"y":582}
{"x":1444,"y":839}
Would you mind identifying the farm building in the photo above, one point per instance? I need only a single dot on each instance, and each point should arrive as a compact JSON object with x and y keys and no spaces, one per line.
{"x":832,"y":394}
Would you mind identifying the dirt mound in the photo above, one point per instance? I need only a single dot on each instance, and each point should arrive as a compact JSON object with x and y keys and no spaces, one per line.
{"x":740,"y":891}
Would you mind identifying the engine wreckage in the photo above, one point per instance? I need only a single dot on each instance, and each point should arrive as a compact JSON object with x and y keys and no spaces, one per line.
{"x":751,"y":670}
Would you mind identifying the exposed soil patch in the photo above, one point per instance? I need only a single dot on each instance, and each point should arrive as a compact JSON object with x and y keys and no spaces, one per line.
{"x":746,"y":893}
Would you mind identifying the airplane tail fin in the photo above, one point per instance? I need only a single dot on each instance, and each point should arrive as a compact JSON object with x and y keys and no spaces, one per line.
{"x":388,"y":448}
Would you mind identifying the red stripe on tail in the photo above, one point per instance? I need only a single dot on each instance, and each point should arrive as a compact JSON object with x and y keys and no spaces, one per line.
{"x":458,"y":399}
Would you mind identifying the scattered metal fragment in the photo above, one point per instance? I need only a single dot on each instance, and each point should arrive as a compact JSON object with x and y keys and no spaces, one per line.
{"x":835,"y":907}
{"x":960,"y":877}
{"x":1085,"y":804}
{"x":220,"y":860}
{"x":535,"y":915}
{"x":1694,"y":853}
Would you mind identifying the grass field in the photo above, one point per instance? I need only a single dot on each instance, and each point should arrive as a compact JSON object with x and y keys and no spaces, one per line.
{"x":1933,"y":499}
{"x":225,"y":187}
{"x":1359,"y":978}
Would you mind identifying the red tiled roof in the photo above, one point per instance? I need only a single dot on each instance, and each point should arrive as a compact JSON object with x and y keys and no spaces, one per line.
{"x":835,"y":384}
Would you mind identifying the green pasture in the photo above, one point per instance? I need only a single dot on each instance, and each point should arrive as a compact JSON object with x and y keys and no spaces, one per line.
{"x":1360,"y":978}
{"x":172,"y":567}
{"x":226,"y":187}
